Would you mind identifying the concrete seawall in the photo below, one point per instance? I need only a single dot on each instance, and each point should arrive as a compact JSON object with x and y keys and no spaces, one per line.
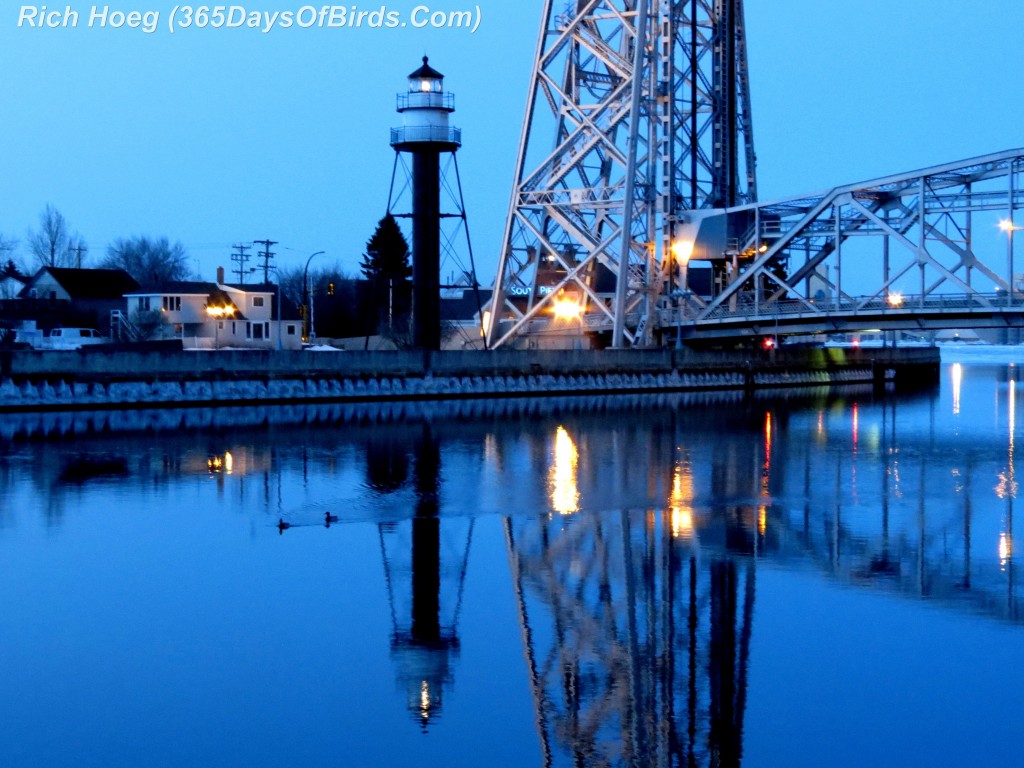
{"x":111,"y":378}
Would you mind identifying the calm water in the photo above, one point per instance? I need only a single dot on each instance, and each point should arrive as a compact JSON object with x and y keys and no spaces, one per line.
{"x":806,"y":579}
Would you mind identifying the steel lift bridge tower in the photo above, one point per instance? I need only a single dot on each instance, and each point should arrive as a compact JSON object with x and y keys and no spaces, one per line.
{"x":648,"y":106}
{"x":652,"y":172}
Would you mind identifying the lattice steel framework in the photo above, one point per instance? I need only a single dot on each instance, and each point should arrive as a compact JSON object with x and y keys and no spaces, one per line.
{"x":926,"y":249}
{"x":637,"y":649}
{"x":639,"y":111}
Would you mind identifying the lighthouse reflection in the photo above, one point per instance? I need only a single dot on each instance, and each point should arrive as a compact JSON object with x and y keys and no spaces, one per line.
{"x":425,"y":573}
{"x":634,"y":544}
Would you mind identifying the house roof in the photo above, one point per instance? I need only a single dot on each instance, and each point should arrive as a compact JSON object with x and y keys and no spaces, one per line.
{"x":178,"y":287}
{"x":464,"y":308}
{"x":91,"y":283}
{"x":253,"y":287}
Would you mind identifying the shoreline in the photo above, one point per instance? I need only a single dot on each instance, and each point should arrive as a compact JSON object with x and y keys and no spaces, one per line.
{"x":116,"y":379}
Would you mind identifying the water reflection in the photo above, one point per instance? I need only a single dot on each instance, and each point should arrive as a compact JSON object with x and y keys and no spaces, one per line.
{"x":425,"y":579}
{"x":637,"y":531}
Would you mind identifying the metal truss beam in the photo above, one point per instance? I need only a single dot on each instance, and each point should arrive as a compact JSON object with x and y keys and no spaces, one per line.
{"x":639,"y":111}
{"x":926,"y":249}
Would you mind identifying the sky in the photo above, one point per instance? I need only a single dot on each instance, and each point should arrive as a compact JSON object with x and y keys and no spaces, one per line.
{"x":220,"y":136}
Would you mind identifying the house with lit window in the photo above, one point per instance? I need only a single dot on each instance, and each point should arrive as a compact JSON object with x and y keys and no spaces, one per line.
{"x":211,"y":316}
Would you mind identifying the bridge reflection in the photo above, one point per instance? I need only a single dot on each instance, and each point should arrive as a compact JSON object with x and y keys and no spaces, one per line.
{"x":637,"y":622}
{"x":635,"y":527}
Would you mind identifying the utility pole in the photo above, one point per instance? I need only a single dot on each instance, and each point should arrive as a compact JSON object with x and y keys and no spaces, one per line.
{"x":241,"y":258}
{"x":77,"y":250}
{"x":266,"y":254}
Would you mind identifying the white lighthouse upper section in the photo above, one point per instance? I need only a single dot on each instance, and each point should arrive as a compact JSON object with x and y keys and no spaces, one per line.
{"x":425,"y":108}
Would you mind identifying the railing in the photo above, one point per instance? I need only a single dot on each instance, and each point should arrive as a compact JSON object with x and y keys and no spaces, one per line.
{"x":121,"y":328}
{"x":445,"y":101}
{"x":414,"y":134}
{"x":908,"y":304}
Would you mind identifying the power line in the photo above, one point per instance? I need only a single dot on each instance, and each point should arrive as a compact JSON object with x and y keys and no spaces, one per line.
{"x":241,"y":258}
{"x":266,"y":254}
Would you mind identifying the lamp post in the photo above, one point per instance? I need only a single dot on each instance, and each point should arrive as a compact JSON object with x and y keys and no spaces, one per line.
{"x":1009,"y":228}
{"x":218,"y":313}
{"x":305,"y":297}
{"x":280,"y":329}
{"x":679,"y":296}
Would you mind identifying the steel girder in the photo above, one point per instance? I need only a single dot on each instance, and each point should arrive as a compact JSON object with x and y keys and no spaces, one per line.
{"x":639,"y":110}
{"x":925,"y":242}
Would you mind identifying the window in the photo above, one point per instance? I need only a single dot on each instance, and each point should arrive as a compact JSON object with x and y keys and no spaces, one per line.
{"x":248,"y":330}
{"x":266,"y":330}
{"x":257,"y":301}
{"x":257,"y":331}
{"x":234,"y":328}
{"x":291,"y":330}
{"x":172,"y":303}
{"x":144,"y":304}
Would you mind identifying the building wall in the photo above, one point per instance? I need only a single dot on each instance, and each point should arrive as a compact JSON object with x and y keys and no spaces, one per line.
{"x":46,"y":287}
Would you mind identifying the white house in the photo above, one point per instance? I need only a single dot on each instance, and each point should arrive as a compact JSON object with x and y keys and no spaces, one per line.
{"x":215,"y":315}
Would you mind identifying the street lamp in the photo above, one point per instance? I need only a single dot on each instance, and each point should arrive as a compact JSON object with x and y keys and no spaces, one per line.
{"x":218,"y":313}
{"x":306,"y":324}
{"x":679,"y":296}
{"x":280,"y":329}
{"x":1009,"y":228}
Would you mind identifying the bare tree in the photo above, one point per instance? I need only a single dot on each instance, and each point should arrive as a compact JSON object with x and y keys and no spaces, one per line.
{"x":7,"y":246}
{"x":150,"y":261}
{"x":54,"y":245}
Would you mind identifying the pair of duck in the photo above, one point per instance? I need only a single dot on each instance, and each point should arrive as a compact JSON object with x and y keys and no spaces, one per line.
{"x":328,"y":519}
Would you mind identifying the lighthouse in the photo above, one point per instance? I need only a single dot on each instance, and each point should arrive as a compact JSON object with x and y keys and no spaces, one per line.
{"x":426,"y":134}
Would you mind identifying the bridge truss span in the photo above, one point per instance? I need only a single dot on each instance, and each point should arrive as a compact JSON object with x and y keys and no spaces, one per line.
{"x":927,"y":249}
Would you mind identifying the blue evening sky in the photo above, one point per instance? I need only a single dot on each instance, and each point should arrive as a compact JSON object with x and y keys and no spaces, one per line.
{"x":214,"y":137}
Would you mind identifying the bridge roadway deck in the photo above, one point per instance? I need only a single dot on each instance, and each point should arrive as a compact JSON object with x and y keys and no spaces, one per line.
{"x":851,"y":315}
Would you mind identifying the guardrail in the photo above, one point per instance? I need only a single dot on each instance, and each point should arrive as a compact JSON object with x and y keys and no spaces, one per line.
{"x":907,"y":305}
{"x":414,"y":134}
{"x":445,"y":101}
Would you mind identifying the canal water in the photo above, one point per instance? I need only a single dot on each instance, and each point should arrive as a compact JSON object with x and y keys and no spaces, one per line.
{"x":798,"y":578}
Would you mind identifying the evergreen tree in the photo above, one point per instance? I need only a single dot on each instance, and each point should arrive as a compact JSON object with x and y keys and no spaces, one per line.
{"x":387,"y":254}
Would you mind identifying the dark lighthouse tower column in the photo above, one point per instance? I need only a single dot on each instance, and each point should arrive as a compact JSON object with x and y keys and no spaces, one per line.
{"x":425,"y":134}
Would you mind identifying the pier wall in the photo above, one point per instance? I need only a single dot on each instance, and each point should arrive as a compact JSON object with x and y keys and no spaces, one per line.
{"x":114,"y":378}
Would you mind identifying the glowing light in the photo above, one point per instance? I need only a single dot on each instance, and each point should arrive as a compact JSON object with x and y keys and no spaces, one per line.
{"x":425,"y":86}
{"x":1005,"y":549}
{"x":566,"y":309}
{"x":762,"y":519}
{"x":856,"y":424}
{"x":680,"y":502}
{"x":682,"y":250}
{"x":229,"y":462}
{"x":485,"y":323}
{"x":768,"y":343}
{"x":766,"y":474}
{"x":1007,"y":225}
{"x":562,"y":479}
{"x":217,"y":311}
{"x":855,"y":343}
{"x":895,"y":299}
{"x":682,"y":523}
{"x":958,"y":378}
{"x":425,"y":700}
{"x":763,"y":248}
